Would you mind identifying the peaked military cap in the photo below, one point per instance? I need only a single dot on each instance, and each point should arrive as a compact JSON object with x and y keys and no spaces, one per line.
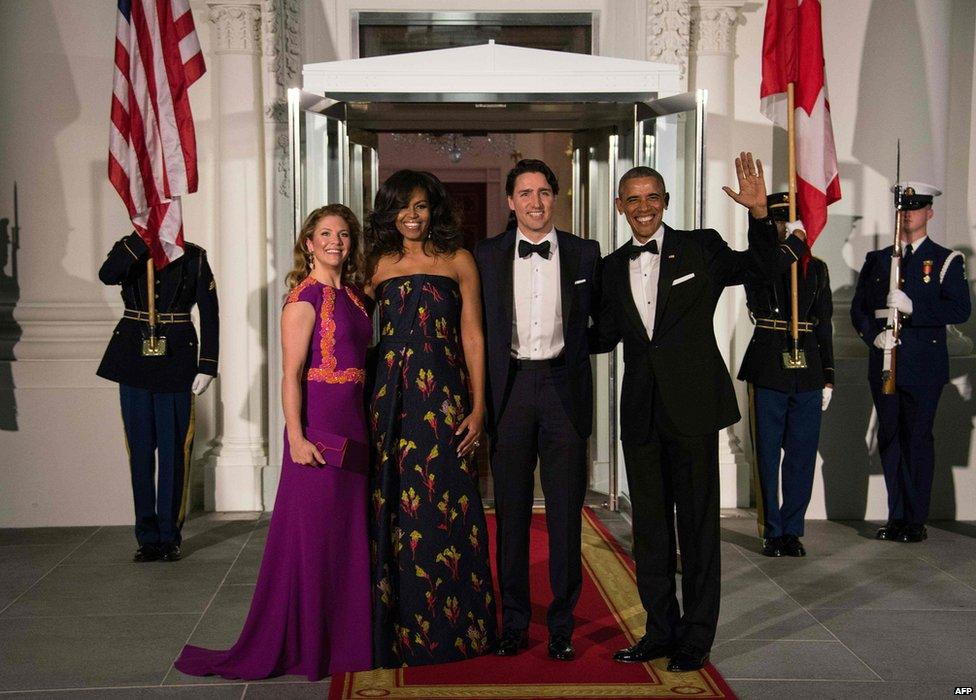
{"x":778,"y":204}
{"x":915,"y":195}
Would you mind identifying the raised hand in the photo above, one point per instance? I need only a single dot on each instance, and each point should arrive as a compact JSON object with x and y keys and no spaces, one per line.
{"x":752,"y":185}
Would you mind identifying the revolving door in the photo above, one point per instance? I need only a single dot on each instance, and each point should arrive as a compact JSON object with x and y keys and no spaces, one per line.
{"x":336,"y":157}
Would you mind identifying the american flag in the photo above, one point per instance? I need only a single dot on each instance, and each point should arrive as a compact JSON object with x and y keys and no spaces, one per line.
{"x":152,"y":158}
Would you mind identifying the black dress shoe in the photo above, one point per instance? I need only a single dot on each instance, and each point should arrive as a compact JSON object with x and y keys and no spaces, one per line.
{"x":645,"y":650}
{"x":147,"y":552}
{"x":913,"y":533}
{"x":171,"y":552}
{"x":512,"y":642}
{"x":561,"y":648}
{"x":792,"y":547}
{"x":891,"y":531}
{"x":772,"y":547}
{"x":685,"y":660}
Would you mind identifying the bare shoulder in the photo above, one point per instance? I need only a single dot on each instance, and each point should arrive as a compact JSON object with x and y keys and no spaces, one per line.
{"x":297,"y":313}
{"x":463,"y":266}
{"x":383,"y":270}
{"x":463,"y":258}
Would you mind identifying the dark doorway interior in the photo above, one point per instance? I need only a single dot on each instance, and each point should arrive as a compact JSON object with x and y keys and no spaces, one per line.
{"x":471,"y":199}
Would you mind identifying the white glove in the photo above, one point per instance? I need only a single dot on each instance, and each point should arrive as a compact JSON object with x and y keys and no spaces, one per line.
{"x":797,"y":225}
{"x":885,"y":340}
{"x":828,"y":391}
{"x":900,"y":301}
{"x":200,"y":383}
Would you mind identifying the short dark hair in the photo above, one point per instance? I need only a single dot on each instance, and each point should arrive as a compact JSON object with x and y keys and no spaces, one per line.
{"x":531,"y":165}
{"x":640,"y":172}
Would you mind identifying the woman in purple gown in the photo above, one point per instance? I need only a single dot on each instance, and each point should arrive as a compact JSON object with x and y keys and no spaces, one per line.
{"x":310,"y":614}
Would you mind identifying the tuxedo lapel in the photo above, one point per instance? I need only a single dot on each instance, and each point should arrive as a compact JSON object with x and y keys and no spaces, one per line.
{"x":670,"y":257}
{"x":569,"y":254}
{"x":506,"y":263}
{"x":622,"y":273}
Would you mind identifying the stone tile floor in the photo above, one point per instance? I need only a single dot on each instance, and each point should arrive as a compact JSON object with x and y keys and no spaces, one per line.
{"x":855,"y":618}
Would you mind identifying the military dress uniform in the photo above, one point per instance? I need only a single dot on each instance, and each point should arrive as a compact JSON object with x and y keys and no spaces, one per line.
{"x":934,"y":278}
{"x":786,"y":402}
{"x":155,"y":395}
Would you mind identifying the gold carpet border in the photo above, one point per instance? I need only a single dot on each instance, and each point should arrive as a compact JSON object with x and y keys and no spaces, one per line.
{"x":615,"y":582}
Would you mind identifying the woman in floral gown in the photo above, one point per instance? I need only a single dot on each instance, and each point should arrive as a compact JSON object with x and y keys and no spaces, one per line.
{"x":432,"y":589}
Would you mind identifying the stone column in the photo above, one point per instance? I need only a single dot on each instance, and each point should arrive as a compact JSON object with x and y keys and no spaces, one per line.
{"x":281,"y":35}
{"x":668,"y":26}
{"x":233,"y":479}
{"x":712,"y":57}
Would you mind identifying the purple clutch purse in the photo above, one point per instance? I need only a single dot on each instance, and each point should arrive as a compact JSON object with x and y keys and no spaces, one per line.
{"x":340,"y":452}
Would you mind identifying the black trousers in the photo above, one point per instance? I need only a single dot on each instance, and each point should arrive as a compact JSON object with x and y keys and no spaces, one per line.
{"x":667,"y":474}
{"x":534,"y":427}
{"x":158,"y":423}
{"x":906,"y":420}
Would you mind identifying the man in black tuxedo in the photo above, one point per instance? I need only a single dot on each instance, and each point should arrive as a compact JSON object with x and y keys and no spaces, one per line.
{"x":540,"y":290}
{"x":660,"y":290}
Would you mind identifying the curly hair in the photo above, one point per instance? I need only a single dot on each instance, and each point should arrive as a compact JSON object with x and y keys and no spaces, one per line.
{"x":444,"y":235}
{"x":354,"y":265}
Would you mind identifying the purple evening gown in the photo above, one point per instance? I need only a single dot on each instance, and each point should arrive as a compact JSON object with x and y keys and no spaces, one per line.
{"x":310,"y":614}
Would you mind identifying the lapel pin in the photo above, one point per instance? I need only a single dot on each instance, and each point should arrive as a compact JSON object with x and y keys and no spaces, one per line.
{"x":671,"y":257}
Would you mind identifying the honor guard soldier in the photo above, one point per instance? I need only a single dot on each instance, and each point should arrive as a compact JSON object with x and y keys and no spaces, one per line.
{"x":160,"y":366}
{"x":930,"y":293}
{"x":787,"y":402}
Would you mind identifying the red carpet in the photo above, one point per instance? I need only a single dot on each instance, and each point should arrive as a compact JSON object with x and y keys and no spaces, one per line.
{"x":609,"y":616}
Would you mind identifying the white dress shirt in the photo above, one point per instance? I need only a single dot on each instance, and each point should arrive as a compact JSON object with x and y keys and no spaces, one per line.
{"x":645,"y":270}
{"x":537,"y":321}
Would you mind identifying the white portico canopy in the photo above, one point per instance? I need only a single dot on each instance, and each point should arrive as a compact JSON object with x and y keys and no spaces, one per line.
{"x":491,"y":72}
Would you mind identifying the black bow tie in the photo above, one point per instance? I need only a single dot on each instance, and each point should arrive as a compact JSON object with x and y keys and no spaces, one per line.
{"x":636,"y":250}
{"x":525,"y":249}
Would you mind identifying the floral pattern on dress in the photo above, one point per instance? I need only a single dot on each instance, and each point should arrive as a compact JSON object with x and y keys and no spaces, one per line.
{"x":432,"y":586}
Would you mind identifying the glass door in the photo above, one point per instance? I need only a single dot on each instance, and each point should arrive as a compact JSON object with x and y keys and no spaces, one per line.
{"x":330,"y":162}
{"x":670,"y":137}
{"x":595,"y":171}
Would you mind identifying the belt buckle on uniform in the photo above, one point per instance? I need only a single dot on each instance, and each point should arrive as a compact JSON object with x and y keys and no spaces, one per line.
{"x":154,"y":346}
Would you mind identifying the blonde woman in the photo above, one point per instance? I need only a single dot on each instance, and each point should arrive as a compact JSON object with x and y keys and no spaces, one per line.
{"x":310,"y":614}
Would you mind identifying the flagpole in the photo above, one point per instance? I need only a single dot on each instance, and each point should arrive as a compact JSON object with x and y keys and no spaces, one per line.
{"x":794,"y":359}
{"x":151,"y":300}
{"x":153,"y":346}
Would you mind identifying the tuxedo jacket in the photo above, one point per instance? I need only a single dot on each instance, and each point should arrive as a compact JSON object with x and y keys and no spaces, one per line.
{"x":763,"y":361}
{"x":579,"y":272}
{"x":185,"y":282}
{"x":681,"y":364}
{"x":934,"y":278}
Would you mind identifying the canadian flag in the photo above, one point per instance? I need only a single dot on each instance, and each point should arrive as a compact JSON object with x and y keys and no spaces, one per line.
{"x":793,"y":53}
